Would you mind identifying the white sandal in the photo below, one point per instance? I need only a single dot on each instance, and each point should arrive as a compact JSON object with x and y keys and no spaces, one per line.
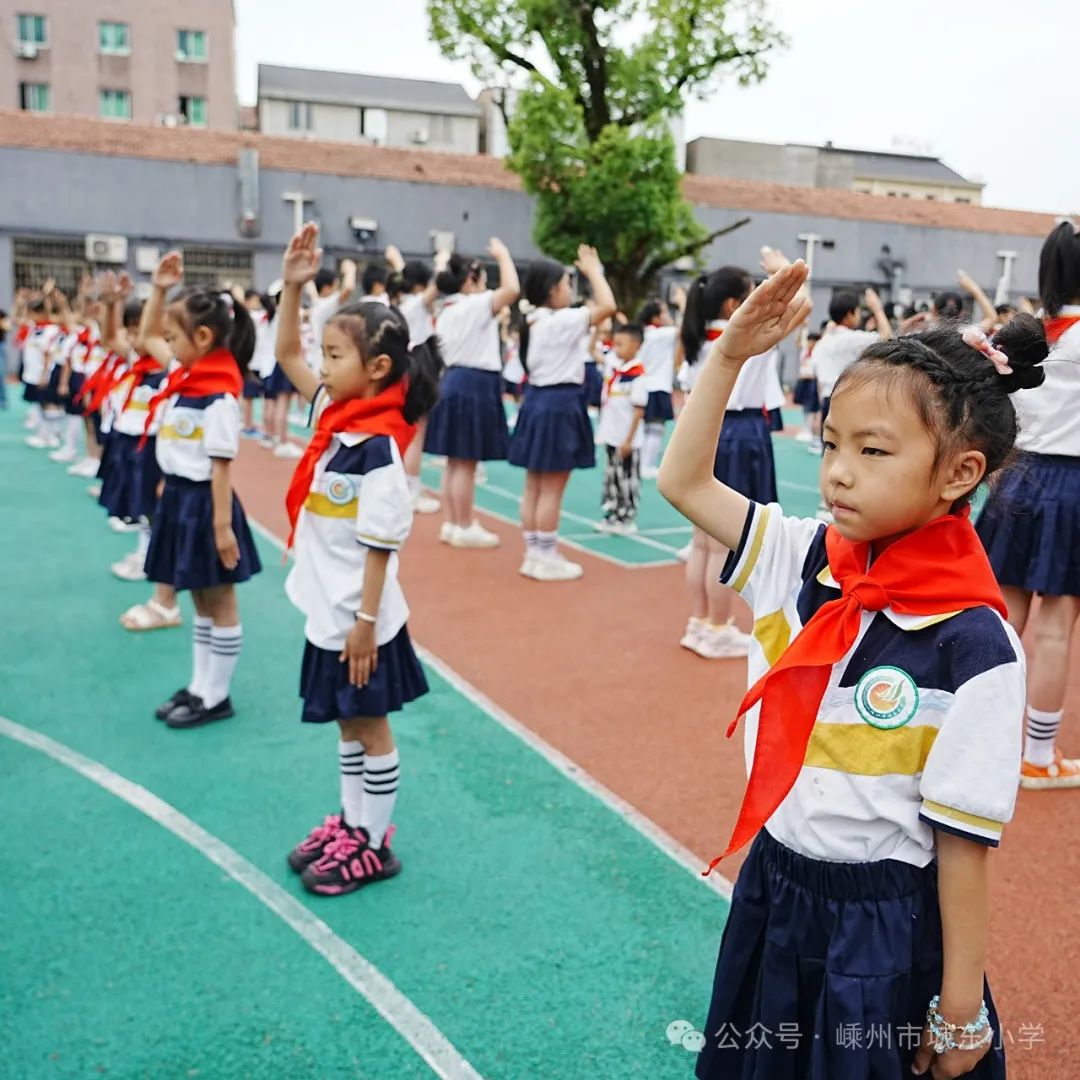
{"x":150,"y":616}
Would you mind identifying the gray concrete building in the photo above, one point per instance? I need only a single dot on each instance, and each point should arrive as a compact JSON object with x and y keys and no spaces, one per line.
{"x":141,"y":61}
{"x":371,"y":109}
{"x":80,"y":194}
{"x":868,"y":172}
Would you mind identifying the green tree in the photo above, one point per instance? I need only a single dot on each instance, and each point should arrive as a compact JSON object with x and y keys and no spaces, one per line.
{"x":596,"y":83}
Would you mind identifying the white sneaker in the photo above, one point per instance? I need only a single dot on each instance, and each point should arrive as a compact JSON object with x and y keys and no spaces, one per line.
{"x":693,"y":633}
{"x":446,"y":531}
{"x":29,"y":423}
{"x":87,"y":468}
{"x":556,"y":569}
{"x":426,"y":504}
{"x":473,"y":536}
{"x":267,"y":443}
{"x":804,"y":436}
{"x":121,"y":526}
{"x":650,"y":473}
{"x":129,"y":568}
{"x":288,"y":451}
{"x":37,"y":442}
{"x":527,"y":566}
{"x":63,"y":455}
{"x":722,"y":642}
{"x":683,"y":554}
{"x":94,"y":490}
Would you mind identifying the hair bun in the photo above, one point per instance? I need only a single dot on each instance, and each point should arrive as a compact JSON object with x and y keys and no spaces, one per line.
{"x":1023,"y":341}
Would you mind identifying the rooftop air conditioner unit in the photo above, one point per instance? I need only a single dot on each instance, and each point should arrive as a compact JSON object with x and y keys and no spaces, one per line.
{"x":106,"y":249}
{"x":170,"y":121}
{"x":26,"y":50}
{"x":420,"y":137}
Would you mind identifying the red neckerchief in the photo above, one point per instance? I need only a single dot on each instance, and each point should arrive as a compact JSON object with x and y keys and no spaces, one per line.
{"x":378,"y":415}
{"x":1057,"y":326}
{"x":216,"y":373}
{"x":713,"y":333}
{"x":634,"y":371}
{"x":21,"y":335}
{"x":145,"y":365}
{"x":102,"y":383}
{"x":936,"y":570}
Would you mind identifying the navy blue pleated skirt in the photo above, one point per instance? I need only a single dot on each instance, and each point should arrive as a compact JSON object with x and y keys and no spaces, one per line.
{"x":658,"y":409}
{"x":129,"y":482}
{"x":50,"y":392}
{"x":328,"y":695}
{"x":553,"y":433}
{"x":182,"y":550}
{"x":277,"y":382}
{"x":835,"y":963}
{"x":806,"y":395}
{"x":75,"y":384}
{"x":1030,"y":525}
{"x":31,"y":393}
{"x":776,"y":420}
{"x":468,"y":422}
{"x":253,"y":387}
{"x":594,"y":385}
{"x":744,"y":455}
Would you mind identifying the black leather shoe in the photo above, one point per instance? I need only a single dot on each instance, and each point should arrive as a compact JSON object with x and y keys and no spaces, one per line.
{"x":194,"y":713}
{"x":181,"y":697}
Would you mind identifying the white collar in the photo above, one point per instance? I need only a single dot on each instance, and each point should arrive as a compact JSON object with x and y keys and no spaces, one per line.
{"x":902,"y":622}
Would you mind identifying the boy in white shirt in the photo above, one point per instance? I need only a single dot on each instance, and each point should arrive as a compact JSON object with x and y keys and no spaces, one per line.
{"x":621,"y":430}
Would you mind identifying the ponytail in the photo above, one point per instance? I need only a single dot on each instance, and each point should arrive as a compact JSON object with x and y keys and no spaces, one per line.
{"x":1059,"y":268}
{"x":229,"y":321}
{"x":425,"y":370}
{"x":241,"y":338}
{"x":706,"y":300}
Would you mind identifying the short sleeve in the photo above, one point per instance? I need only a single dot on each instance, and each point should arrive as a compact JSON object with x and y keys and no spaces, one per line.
{"x":972,"y":773}
{"x":768,"y":562}
{"x":384,"y":512}
{"x":639,"y":394}
{"x":221,"y":428}
{"x":570,"y":325}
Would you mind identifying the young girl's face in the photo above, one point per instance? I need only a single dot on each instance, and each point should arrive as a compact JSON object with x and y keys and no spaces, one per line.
{"x":878,"y":474}
{"x":344,"y":372}
{"x":560,"y":295}
{"x":186,"y":347}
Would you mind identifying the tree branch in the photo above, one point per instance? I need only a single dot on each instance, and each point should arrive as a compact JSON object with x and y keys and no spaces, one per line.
{"x":595,"y":63}
{"x":668,"y":256}
{"x":471,"y":26}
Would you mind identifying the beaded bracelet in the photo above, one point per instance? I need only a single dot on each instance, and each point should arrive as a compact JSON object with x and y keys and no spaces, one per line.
{"x":973,"y":1036}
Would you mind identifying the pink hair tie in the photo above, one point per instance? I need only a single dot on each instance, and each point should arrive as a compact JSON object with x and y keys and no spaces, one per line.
{"x":974,"y":337}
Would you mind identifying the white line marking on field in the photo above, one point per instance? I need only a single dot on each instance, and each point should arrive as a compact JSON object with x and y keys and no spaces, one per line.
{"x":559,"y":761}
{"x":396,"y":1009}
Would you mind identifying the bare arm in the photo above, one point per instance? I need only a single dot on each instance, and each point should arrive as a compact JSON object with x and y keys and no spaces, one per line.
{"x":361,"y":650}
{"x":627,"y":447}
{"x":877,"y":309}
{"x":686,"y":475}
{"x":301,"y":263}
{"x":602,"y":305}
{"x":221,"y":493}
{"x":394,"y":259}
{"x":348,"y":282}
{"x":982,"y":301}
{"x":509,"y":287}
{"x":169,"y":273}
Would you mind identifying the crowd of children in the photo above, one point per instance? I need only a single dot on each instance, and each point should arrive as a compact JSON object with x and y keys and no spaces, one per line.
{"x":890,"y":614}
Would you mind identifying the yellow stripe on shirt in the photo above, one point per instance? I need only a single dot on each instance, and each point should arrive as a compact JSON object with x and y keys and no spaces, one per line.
{"x":755,"y":550}
{"x":773,"y":633}
{"x":168,"y":431}
{"x":963,"y":817}
{"x":863,"y":750}
{"x":317,"y":503}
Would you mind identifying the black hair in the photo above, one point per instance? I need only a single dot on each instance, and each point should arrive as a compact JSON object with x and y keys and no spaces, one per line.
{"x":458,"y":270}
{"x":325,"y":278}
{"x":132,"y":316}
{"x":1059,"y":268}
{"x":252,"y":293}
{"x":843,"y":304}
{"x":705,"y":299}
{"x":36,"y":306}
{"x":416,"y":273}
{"x":395,"y":286}
{"x":633,"y":330}
{"x":1005,"y":309}
{"x":958,"y":393}
{"x":651,"y":310}
{"x":814,"y":335}
{"x":373,"y":275}
{"x":229,"y":321}
{"x":541,"y":277}
{"x":269,"y":306}
{"x":377,"y":328}
{"x":948,"y":305}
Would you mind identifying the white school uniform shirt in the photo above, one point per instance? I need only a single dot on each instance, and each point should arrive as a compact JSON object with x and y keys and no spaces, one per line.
{"x":657,"y":353}
{"x":418,"y":317}
{"x":36,"y":351}
{"x":1049,"y":415}
{"x":196,"y":430}
{"x":758,"y":383}
{"x":621,"y":397}
{"x":371,"y":298}
{"x":110,"y":406}
{"x":359,"y":501}
{"x":320,"y":313}
{"x":837,"y":350}
{"x":920,"y":727}
{"x":469,"y":332}
{"x":263,"y":359}
{"x":558,"y":345}
{"x":131,"y":419}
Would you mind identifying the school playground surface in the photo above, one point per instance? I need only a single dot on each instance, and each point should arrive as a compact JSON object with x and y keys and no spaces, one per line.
{"x":562,"y":785}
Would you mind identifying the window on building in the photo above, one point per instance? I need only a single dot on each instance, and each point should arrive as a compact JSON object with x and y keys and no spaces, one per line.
{"x":931,"y":197}
{"x":34,"y":97}
{"x":299,"y":116}
{"x":191,"y":46}
{"x":116,"y":104}
{"x":36,"y":261}
{"x":213,"y":267}
{"x":114,"y":38}
{"x":374,"y":125}
{"x":963,"y":199}
{"x":193,"y":110}
{"x":905,"y":194}
{"x":440,"y":129}
{"x":33,"y":29}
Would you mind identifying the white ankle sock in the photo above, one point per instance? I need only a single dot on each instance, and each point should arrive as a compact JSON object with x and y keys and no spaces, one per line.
{"x":71,"y":433}
{"x":200,"y":653}
{"x":225,"y":645}
{"x":651,"y":446}
{"x":380,"y":793}
{"x":1042,"y":729}
{"x":547,"y":544}
{"x":531,"y":546}
{"x":143,"y":545}
{"x":351,"y":761}
{"x":414,"y":487}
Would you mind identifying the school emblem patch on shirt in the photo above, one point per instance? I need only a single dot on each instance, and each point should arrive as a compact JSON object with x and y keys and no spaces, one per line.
{"x":886,"y":697}
{"x":185,"y":426}
{"x":341,"y":491}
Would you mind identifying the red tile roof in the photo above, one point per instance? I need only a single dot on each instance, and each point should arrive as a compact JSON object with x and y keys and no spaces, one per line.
{"x":85,"y":135}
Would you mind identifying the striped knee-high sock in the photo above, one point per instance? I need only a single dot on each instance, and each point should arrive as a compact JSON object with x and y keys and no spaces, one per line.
{"x":200,"y":654}
{"x":225,"y":645}
{"x":1042,"y":729}
{"x":381,"y":775}
{"x":351,"y":762}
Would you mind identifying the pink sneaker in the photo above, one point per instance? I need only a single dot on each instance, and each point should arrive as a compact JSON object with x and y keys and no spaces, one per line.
{"x":349,"y":862}
{"x":311,"y":848}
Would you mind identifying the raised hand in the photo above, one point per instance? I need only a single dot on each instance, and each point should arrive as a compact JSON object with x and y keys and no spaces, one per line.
{"x":170,"y":271}
{"x":497,"y":249}
{"x":125,"y":285}
{"x":108,"y":288}
{"x":773,"y":260}
{"x":588,"y":262}
{"x":302,"y":257}
{"x":767,"y":316}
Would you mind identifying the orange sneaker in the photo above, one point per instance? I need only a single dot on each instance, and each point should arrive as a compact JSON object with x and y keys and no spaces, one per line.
{"x":1064,"y":773}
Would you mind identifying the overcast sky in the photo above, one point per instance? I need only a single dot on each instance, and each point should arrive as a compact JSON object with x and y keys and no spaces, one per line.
{"x":989,"y":86}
